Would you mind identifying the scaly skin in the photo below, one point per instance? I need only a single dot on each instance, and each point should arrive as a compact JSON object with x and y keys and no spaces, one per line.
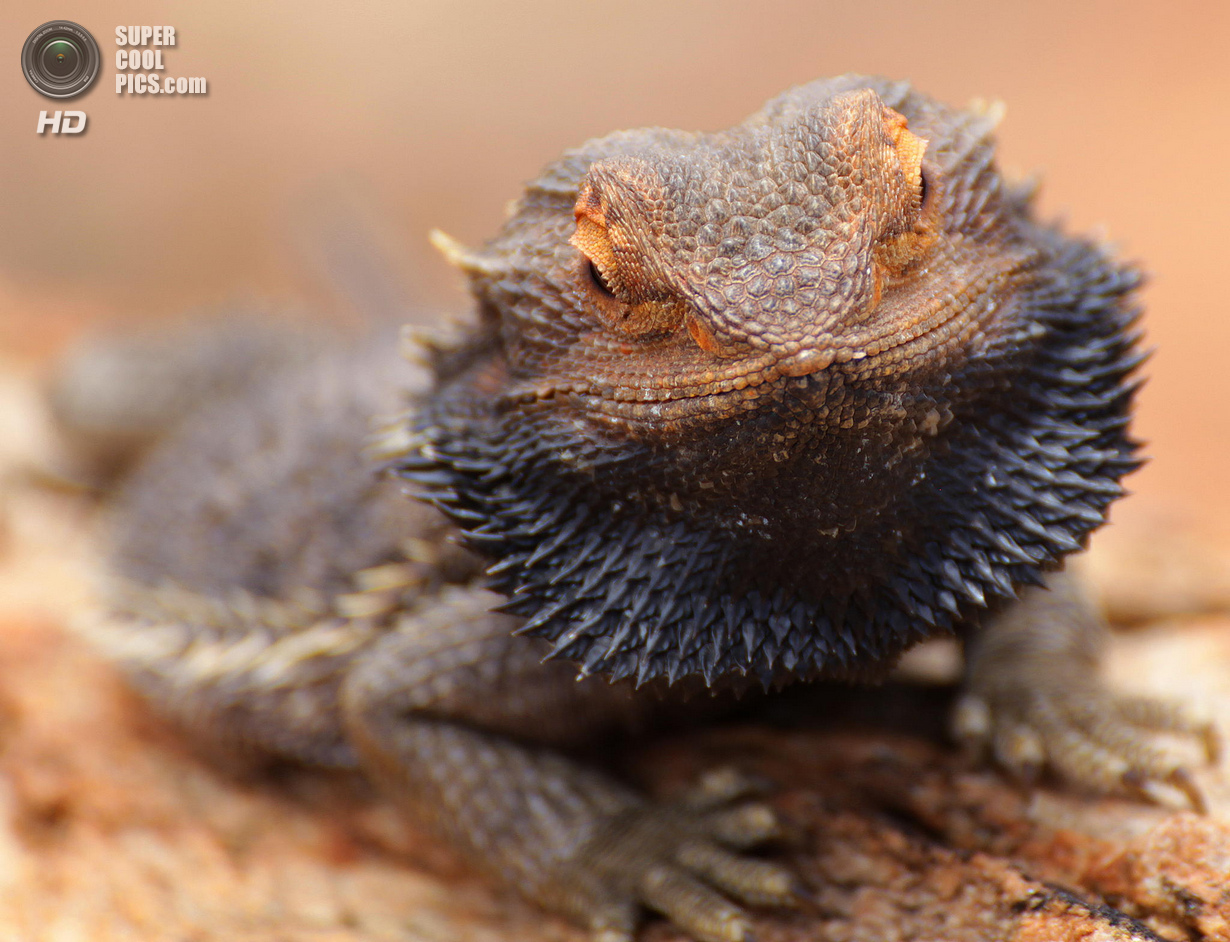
{"x":739,"y":409}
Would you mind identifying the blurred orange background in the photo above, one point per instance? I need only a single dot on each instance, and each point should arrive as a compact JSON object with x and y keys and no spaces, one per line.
{"x":436,"y":113}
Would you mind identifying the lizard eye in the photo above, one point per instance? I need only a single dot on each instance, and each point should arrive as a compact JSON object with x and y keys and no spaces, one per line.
{"x":594,"y":239}
{"x":910,"y":149}
{"x":599,"y":281}
{"x":623,"y":291}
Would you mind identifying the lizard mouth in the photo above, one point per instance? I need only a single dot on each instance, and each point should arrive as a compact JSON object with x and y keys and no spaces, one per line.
{"x":663,"y":373}
{"x":674,"y":374}
{"x":697,"y":386}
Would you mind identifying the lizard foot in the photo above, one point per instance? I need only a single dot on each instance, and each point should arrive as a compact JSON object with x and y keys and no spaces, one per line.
{"x":1031,"y":717}
{"x":681,"y":860}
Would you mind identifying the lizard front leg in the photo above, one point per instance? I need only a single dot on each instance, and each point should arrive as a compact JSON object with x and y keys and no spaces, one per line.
{"x":461,"y":722}
{"x":1034,"y":698}
{"x":273,"y":594}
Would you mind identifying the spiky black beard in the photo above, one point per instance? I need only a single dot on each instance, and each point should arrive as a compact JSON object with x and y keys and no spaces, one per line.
{"x":637,"y":590}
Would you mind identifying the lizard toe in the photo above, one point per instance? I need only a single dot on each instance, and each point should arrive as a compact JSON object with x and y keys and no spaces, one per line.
{"x":692,"y":906}
{"x":745,"y":826}
{"x":613,"y":921}
{"x":754,"y":882}
{"x":1162,"y":716}
{"x":721,"y":787}
{"x":1020,"y":750}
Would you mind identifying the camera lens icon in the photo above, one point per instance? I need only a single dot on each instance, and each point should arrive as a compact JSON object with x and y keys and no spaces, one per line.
{"x":60,"y":59}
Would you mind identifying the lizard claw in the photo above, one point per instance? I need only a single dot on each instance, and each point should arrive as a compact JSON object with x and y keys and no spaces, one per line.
{"x":1179,"y":779}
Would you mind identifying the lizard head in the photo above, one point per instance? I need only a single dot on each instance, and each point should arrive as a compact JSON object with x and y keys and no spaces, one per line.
{"x":736,"y":395}
{"x":665,"y":280}
{"x":701,"y":267}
